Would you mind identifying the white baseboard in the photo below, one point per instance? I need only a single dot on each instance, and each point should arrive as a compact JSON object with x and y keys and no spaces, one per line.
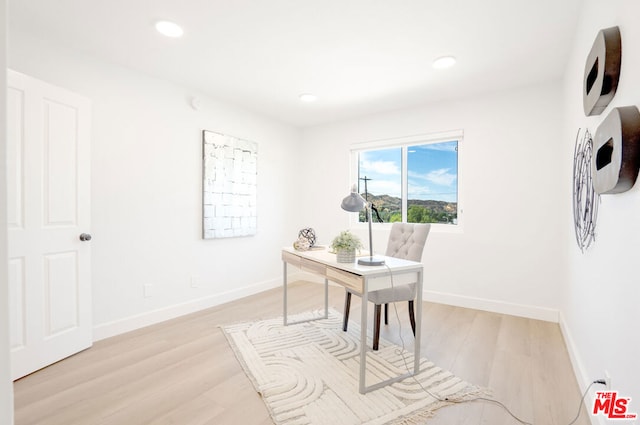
{"x":152,"y":317}
{"x":578,"y":370}
{"x":521,"y":310}
{"x":137,"y":321}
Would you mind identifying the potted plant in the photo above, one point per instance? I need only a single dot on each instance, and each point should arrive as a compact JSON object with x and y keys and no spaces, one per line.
{"x":345,"y":245}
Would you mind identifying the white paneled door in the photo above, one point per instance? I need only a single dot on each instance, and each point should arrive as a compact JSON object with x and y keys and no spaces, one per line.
{"x":48,"y":210}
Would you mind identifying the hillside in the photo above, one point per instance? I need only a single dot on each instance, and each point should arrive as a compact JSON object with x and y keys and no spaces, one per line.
{"x":391,"y":204}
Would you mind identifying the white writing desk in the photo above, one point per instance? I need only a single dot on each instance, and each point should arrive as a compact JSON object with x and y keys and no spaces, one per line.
{"x":360,"y":279}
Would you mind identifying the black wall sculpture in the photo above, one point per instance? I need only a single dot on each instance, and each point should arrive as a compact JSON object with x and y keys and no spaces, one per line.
{"x":614,"y":152}
{"x":610,"y":162}
{"x":616,"y":148}
{"x":602,"y":71}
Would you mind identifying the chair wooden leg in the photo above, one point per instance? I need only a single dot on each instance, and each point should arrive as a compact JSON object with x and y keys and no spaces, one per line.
{"x":376,"y":326}
{"x":386,"y":314}
{"x":412,"y":317}
{"x":347,"y":307}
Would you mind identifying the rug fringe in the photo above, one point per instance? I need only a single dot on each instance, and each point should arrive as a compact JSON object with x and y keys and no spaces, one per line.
{"x":417,"y":418}
{"x":420,"y":417}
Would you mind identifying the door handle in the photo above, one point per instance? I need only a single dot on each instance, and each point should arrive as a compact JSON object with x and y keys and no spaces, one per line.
{"x":84,"y":237}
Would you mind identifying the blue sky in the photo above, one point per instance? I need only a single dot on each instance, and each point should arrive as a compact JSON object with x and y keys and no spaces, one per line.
{"x":432,"y":171}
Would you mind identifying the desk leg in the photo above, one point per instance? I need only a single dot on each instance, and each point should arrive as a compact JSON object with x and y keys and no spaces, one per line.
{"x":363,"y":337}
{"x":363,"y":340}
{"x":284,"y":283}
{"x":285,"y":318}
{"x":326,"y":298}
{"x":416,"y":351}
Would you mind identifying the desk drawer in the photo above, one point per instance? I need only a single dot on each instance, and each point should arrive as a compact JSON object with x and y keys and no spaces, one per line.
{"x":346,"y":279}
{"x":292,"y":259}
{"x":313,"y":267}
{"x":384,"y":282}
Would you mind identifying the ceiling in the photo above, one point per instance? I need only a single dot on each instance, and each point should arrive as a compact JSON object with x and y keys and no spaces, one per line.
{"x":357,"y":56}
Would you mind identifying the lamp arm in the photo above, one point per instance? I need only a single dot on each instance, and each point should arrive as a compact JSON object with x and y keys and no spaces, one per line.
{"x":377,"y":213}
{"x":370,"y":218}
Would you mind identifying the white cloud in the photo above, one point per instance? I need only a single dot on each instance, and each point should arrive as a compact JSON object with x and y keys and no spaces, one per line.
{"x":440,"y":177}
{"x":380,"y":167}
{"x":383,"y":187}
{"x":443,"y":147}
{"x":418,"y":191}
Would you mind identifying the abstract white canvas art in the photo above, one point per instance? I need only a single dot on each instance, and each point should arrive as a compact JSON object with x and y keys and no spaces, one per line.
{"x":230,"y":170}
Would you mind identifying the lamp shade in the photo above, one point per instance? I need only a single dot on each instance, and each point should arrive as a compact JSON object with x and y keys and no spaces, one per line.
{"x":354,"y":202}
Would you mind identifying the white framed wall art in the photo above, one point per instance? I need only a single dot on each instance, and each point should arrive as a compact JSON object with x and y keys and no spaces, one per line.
{"x":230,"y":170}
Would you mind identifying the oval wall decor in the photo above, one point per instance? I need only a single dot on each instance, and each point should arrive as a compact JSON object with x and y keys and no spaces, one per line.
{"x":616,"y":147}
{"x":585,"y":198}
{"x":602,"y":71}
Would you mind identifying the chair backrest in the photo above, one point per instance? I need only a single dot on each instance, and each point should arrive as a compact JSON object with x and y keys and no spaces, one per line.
{"x":407,"y":240}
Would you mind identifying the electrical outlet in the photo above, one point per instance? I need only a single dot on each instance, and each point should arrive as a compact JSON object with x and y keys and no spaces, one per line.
{"x":607,"y":379}
{"x":147,"y":290}
{"x":194,"y":282}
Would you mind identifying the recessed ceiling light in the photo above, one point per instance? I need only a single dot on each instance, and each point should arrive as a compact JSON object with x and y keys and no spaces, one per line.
{"x":308,"y":97}
{"x":170,"y":29}
{"x":444,"y":62}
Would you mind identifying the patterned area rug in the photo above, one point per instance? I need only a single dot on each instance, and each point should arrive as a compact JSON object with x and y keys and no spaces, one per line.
{"x":308,"y":374}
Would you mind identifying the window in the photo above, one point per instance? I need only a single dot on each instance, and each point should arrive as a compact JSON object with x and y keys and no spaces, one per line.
{"x":414,"y":181}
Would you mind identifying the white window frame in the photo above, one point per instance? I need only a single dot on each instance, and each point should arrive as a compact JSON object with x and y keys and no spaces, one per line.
{"x":400,"y":142}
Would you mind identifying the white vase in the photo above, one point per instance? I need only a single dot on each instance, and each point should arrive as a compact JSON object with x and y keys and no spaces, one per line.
{"x":346,"y":256}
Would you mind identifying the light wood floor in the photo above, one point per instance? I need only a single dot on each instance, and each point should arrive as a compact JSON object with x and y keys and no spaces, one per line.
{"x":183,"y":372}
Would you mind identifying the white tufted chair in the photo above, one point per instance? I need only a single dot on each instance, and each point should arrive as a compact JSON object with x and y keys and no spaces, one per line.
{"x":406,"y":241}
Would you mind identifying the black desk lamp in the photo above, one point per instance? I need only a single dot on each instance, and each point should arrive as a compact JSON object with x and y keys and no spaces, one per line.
{"x":355,"y":203}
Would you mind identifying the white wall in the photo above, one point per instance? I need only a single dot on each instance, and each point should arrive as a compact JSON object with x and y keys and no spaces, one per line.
{"x":147,"y":191}
{"x":516,"y":253}
{"x":510,"y":256}
{"x":6,"y":387}
{"x":601,"y":301}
